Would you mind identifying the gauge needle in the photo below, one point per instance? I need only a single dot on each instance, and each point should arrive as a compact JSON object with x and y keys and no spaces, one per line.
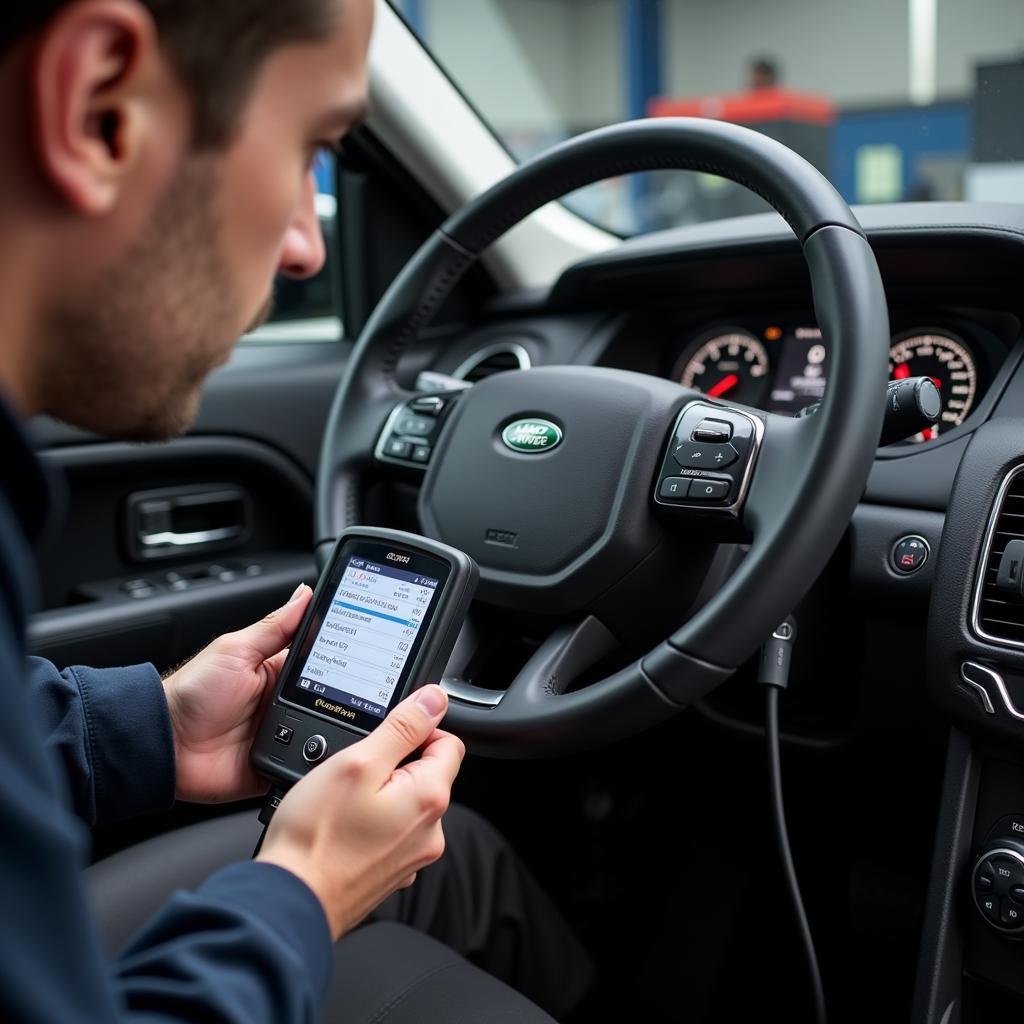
{"x":901,"y":372}
{"x":725,"y":384}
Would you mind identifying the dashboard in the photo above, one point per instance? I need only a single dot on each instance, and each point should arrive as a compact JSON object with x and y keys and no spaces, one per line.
{"x":780,"y":363}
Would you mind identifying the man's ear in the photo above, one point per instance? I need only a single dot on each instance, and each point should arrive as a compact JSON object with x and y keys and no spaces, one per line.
{"x":96,"y":69}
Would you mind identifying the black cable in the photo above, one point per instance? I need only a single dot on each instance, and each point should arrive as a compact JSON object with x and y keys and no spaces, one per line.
{"x":785,"y":854}
{"x":259,"y":842}
{"x":273,"y":801}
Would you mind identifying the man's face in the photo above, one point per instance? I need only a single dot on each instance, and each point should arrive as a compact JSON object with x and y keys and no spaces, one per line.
{"x":134,"y":348}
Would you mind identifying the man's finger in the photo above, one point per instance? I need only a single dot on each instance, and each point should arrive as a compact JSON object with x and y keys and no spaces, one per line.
{"x":405,"y":729}
{"x":274,"y":632}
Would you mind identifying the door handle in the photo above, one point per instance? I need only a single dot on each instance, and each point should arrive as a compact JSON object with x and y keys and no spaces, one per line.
{"x":172,"y":521}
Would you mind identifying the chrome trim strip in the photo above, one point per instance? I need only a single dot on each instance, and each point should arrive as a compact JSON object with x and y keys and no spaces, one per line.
{"x":986,"y":548}
{"x":511,"y":348}
{"x":981,"y":691}
{"x":1001,"y":687}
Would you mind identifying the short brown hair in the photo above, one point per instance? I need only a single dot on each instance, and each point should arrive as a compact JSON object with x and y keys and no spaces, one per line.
{"x":216,"y":46}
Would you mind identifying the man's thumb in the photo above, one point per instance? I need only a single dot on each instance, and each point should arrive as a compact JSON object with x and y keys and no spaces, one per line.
{"x":274,"y":632}
{"x":407,"y":727}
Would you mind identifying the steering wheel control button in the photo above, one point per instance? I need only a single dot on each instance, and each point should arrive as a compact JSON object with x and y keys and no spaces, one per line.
{"x":428,"y":405}
{"x":420,"y":453}
{"x":984,"y":883}
{"x":712,"y":432}
{"x":909,"y":554}
{"x":693,"y":455}
{"x":1017,"y":893}
{"x":709,"y":490}
{"x":397,"y":448}
{"x":283,"y":734}
{"x":314,"y":749}
{"x":714,"y":447}
{"x":415,"y":426}
{"x":674,"y":488}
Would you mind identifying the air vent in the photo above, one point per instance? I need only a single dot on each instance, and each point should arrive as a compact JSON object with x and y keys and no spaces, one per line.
{"x":494,"y":359}
{"x":999,"y":616}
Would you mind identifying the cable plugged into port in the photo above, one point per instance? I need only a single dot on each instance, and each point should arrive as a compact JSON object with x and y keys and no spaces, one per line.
{"x":776,"y":661}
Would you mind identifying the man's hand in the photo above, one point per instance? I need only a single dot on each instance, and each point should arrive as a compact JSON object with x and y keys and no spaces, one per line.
{"x":358,"y":826}
{"x":216,"y":702}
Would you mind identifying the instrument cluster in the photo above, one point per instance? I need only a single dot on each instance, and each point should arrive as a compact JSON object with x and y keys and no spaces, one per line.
{"x":783,"y":366}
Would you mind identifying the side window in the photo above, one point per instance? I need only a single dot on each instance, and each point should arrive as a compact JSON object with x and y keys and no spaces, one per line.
{"x":310,"y":310}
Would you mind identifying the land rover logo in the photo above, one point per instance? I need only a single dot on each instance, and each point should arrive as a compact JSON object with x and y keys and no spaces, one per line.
{"x":529,"y":436}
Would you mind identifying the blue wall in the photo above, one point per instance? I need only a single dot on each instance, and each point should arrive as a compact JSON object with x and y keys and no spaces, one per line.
{"x":942,"y":130}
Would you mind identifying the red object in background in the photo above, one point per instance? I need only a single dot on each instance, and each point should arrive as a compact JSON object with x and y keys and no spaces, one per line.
{"x":754,"y":107}
{"x":902,"y":372}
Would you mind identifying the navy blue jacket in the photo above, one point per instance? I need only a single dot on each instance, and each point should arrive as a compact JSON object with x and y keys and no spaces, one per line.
{"x":85,"y":746}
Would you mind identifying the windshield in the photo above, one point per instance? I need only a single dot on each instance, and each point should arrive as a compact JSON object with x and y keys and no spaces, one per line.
{"x":891,"y":99}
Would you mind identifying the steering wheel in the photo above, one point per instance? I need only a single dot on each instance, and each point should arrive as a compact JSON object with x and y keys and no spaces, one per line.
{"x":579,"y":529}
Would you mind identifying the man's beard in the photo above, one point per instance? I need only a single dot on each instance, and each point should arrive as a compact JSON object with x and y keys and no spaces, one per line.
{"x":128,"y":359}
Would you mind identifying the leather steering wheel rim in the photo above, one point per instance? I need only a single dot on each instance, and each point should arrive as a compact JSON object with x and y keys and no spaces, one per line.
{"x":809,"y":474}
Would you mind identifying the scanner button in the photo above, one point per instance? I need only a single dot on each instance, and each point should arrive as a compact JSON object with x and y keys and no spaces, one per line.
{"x":283,"y":734}
{"x":314,"y":749}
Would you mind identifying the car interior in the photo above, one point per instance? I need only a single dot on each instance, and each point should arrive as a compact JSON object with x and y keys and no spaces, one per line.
{"x":719,"y":388}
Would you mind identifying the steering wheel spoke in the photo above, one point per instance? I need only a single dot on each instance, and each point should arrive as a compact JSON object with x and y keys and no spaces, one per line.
{"x":786,"y":444}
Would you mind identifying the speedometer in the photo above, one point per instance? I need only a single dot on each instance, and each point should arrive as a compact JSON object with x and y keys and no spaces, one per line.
{"x":730,"y":364}
{"x":947,"y":360}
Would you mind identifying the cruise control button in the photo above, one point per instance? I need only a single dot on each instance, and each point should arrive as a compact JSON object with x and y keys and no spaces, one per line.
{"x":705,"y":456}
{"x":314,"y":749}
{"x":983,"y":883}
{"x":708,"y":490}
{"x":674,"y":488}
{"x":397,"y":449}
{"x":712,"y":432}
{"x":420,"y":453}
{"x":1011,"y":915}
{"x":990,"y":907}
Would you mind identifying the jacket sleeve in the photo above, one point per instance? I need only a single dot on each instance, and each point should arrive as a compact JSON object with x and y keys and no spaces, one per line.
{"x":110,"y":731}
{"x":250,"y":946}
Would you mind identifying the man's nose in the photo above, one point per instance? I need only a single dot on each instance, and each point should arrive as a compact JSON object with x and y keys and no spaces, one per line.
{"x":303,"y":252}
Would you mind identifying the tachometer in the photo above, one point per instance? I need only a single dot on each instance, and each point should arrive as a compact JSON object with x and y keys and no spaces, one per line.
{"x":731,"y":365}
{"x":949,"y":363}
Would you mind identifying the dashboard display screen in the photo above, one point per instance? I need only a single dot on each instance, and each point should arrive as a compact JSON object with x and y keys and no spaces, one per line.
{"x":801,"y":371}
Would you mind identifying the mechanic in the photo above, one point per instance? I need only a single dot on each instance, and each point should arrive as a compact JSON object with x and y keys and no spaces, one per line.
{"x":155,"y":174}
